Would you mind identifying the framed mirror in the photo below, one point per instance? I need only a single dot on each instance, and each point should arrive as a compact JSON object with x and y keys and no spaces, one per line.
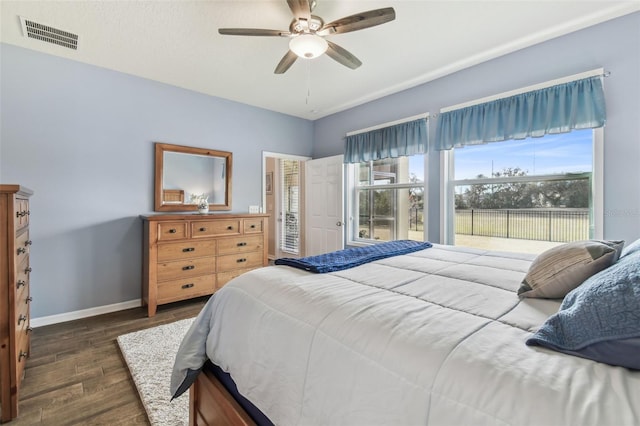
{"x":184,"y":176}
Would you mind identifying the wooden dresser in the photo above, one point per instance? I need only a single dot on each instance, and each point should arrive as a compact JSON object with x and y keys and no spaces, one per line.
{"x":192,"y":255}
{"x":14,"y":294}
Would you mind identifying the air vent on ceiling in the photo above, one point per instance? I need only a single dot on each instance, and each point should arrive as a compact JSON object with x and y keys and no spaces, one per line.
{"x":48,"y":34}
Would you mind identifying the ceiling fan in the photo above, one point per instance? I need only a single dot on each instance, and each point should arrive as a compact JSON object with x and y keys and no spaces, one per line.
{"x":307,"y":33}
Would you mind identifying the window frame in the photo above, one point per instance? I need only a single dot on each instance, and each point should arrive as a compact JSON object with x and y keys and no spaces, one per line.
{"x":352,"y":201}
{"x":448,"y":183}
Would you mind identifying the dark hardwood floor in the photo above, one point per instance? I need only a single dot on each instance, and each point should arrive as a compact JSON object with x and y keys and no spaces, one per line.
{"x":76,"y":373}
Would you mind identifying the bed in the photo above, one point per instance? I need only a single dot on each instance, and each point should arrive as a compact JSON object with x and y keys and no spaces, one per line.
{"x":434,"y":337}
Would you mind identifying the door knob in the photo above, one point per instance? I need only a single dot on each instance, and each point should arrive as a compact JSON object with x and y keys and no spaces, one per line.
{"x":338,"y":223}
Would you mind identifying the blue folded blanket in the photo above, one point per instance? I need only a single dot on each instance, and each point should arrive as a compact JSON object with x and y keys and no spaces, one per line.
{"x":348,"y":258}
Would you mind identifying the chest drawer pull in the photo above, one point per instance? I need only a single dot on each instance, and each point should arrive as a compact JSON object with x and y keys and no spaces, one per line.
{"x":20,"y":283}
{"x":242,"y":244}
{"x":28,"y":299}
{"x":22,"y":355}
{"x":173,"y":230}
{"x":188,"y":268}
{"x":203,"y":229}
{"x":21,"y":250}
{"x":28,"y":330}
{"x":188,"y":249}
{"x":28,"y":243}
{"x":188,"y":285}
{"x":241,"y":260}
{"x":253,"y":226}
{"x":21,"y":318}
{"x":229,"y":228}
{"x":27,"y":270}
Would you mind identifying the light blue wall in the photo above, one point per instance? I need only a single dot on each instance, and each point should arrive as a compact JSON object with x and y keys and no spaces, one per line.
{"x":614,"y":45}
{"x":82,"y":138}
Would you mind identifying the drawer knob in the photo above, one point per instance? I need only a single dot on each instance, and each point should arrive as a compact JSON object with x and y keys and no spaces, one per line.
{"x":188,"y":249}
{"x":27,"y":270}
{"x":29,"y":330}
{"x":21,"y":283}
{"x":22,"y":318}
{"x":28,"y":243}
{"x":28,"y":299}
{"x":253,"y":226}
{"x":187,"y":268}
{"x":22,"y":355}
{"x":229,"y":228}
{"x":173,"y":230}
{"x":203,"y":229}
{"x":188,"y":285}
{"x":21,"y":250}
{"x":242,"y":244}
{"x":241,"y":260}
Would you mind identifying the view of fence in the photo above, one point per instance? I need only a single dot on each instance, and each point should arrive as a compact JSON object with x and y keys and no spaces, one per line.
{"x":560,"y":225}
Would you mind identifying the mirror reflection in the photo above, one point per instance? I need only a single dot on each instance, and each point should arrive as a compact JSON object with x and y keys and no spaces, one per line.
{"x":188,"y":177}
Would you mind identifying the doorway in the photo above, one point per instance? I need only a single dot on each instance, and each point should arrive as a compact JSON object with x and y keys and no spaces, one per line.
{"x":284,"y":201}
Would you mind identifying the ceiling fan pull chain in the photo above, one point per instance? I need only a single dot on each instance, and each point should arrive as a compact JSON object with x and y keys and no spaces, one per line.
{"x":308,"y":82}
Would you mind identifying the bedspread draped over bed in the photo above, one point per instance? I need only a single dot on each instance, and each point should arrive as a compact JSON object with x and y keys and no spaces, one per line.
{"x":435,"y":337}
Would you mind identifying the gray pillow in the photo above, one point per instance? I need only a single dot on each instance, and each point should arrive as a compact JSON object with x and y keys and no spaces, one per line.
{"x":559,"y":270}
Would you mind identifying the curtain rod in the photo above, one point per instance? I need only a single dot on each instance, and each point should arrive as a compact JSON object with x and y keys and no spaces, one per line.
{"x":424,"y":115}
{"x":599,"y":71}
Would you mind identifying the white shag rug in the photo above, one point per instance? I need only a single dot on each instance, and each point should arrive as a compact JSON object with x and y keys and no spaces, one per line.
{"x":150,"y":355}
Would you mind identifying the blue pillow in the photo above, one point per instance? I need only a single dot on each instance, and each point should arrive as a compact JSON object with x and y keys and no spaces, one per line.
{"x":631,"y":248}
{"x":599,"y":320}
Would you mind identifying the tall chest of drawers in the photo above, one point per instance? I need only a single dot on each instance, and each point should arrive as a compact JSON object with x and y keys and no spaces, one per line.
{"x":190,"y":255}
{"x":14,"y":294}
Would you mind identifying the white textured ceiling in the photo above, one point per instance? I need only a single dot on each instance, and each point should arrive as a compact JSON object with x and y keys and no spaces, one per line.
{"x":176,"y":42}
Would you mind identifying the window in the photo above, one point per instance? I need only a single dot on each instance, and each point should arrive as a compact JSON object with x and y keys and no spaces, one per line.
{"x":525,"y":195}
{"x":387,"y":199}
{"x":290,"y":207}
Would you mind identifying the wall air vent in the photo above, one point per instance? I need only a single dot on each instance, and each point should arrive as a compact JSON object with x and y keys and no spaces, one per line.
{"x":48,"y":34}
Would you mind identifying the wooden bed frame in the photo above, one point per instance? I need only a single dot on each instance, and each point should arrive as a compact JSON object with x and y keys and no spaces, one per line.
{"x":211,"y":404}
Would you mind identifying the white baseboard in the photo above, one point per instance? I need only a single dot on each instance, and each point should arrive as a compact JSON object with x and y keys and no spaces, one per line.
{"x":84,"y":313}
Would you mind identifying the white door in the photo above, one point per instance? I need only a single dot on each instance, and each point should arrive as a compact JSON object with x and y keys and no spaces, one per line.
{"x":324,"y":202}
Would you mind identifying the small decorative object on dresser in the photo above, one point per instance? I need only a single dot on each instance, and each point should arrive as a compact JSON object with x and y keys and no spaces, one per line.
{"x":14,"y":294}
{"x":187,"y":256}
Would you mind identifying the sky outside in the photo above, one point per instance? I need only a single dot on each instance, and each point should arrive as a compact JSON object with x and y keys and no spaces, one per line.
{"x":552,"y":154}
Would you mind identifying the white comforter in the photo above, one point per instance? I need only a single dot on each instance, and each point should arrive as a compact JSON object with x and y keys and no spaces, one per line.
{"x":436,"y":337}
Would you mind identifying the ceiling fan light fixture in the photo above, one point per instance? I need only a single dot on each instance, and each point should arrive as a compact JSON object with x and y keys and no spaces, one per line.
{"x":308,"y":46}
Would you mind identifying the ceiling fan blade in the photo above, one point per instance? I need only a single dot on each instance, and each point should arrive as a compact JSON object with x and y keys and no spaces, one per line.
{"x":253,"y":32}
{"x":285,"y":63}
{"x":341,"y":55}
{"x":300,"y":8}
{"x":358,"y":21}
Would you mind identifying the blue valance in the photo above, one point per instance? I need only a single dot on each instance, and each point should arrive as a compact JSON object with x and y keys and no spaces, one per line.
{"x":577,"y":104}
{"x":400,"y":140}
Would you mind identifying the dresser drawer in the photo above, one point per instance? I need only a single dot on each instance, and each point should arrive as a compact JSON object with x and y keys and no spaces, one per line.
{"x":240,"y":244}
{"x":22,"y":352}
{"x":22,"y":318}
{"x":170,"y":291}
{"x":252,"y":226}
{"x":225,"y":277}
{"x":186,"y":250}
{"x":239,"y":261}
{"x":172,"y":231}
{"x":186,"y":268}
{"x":22,"y":213}
{"x":22,"y":274}
{"x":22,"y":246}
{"x":215,"y":228}
{"x":22,"y":294}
